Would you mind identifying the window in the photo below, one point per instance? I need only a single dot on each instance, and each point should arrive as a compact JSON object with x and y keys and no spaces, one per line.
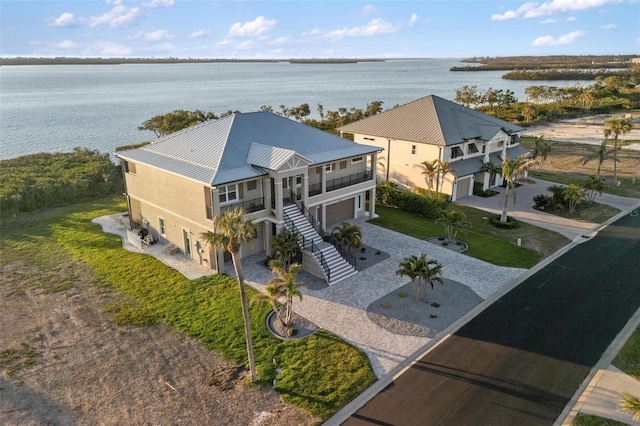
{"x":484,"y":148}
{"x":161,"y":227}
{"x":130,"y":167}
{"x":252,"y":185}
{"x":208,"y":202}
{"x":298,"y":180}
{"x":514,"y":139}
{"x":369,"y":139}
{"x":228,"y":193}
{"x":500,"y":144}
{"x":356,"y":160}
{"x":413,"y":149}
{"x":472,"y":148}
{"x":328,"y":168}
{"x":456,"y":152}
{"x":343,"y":165}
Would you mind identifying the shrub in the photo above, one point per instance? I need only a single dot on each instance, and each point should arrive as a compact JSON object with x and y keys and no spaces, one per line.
{"x":512,"y":223}
{"x":541,"y":201}
{"x":409,"y":202}
{"x":386,"y":305}
{"x":402,"y":294}
{"x":291,"y":332}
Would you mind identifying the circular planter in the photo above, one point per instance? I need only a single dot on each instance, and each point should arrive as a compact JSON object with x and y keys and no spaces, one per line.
{"x":303,"y":326}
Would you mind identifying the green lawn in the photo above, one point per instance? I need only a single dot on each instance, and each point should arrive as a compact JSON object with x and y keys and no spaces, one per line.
{"x":589,"y":420}
{"x":628,"y":358}
{"x":587,"y":212}
{"x":320,"y":373}
{"x":497,"y":246}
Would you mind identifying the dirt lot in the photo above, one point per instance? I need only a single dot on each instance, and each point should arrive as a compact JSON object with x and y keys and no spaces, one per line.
{"x":85,"y":370}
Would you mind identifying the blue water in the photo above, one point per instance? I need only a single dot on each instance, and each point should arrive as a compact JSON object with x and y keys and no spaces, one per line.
{"x":56,"y":108}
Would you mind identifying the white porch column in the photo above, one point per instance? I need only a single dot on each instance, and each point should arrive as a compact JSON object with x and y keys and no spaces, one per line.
{"x":323,"y":223}
{"x":372,"y":203}
{"x":374,"y":166}
{"x":486,"y":183}
{"x":279,"y":203}
{"x":472,"y":181}
{"x":305,"y":190}
{"x":487,"y":146}
{"x":323,"y":186}
{"x":504,"y":148}
{"x":266,"y":193}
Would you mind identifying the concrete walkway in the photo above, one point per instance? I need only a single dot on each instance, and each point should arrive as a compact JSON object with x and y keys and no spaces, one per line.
{"x":523,"y":209}
{"x":603,"y":393}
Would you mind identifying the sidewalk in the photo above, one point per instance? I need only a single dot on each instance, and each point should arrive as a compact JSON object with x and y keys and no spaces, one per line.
{"x":523,"y":209}
{"x":604,"y":393}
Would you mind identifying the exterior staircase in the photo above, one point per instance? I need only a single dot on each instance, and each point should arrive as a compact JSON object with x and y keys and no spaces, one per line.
{"x":335,"y":267}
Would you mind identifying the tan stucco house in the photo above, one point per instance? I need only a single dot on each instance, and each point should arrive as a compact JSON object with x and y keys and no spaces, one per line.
{"x":434,"y":128}
{"x":283,"y":173}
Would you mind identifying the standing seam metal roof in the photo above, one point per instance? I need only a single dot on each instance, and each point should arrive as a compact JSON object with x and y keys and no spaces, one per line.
{"x":432,"y":120}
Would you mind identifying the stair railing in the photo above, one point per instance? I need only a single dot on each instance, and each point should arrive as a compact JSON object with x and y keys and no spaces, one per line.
{"x":312,"y":220}
{"x":309,"y":244}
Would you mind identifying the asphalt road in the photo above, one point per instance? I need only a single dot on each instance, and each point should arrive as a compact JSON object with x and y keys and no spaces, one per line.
{"x":520,"y":361}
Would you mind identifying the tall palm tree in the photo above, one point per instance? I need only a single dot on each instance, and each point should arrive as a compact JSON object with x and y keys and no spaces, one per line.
{"x":348,"y":237}
{"x":443,"y":170}
{"x":285,"y":283}
{"x":573,"y":195}
{"x":233,"y":230}
{"x":511,"y":169}
{"x":616,"y":127}
{"x":541,"y":150}
{"x":601,"y":154}
{"x":430,"y":171}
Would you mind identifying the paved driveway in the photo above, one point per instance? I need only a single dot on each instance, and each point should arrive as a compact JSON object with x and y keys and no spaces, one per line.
{"x":523,"y":209}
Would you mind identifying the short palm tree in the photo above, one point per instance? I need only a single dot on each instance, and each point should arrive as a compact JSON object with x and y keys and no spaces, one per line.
{"x":348,"y":236}
{"x":286,"y":285}
{"x":430,"y":171}
{"x":231,"y":231}
{"x":493,"y":170}
{"x":511,"y":169}
{"x":453,"y":221}
{"x":616,"y":127}
{"x":573,"y":195}
{"x":285,"y":246}
{"x":631,"y":404}
{"x":594,"y":185}
{"x":421,"y":271}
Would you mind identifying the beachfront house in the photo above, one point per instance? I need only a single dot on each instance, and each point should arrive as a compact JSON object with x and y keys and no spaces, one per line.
{"x":434,"y":128}
{"x":286,"y":175}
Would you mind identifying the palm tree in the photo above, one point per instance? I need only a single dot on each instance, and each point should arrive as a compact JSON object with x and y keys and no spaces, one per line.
{"x":541,"y":150}
{"x":285,"y":246}
{"x":272,"y":296}
{"x":601,"y":154}
{"x":511,"y":169}
{"x":348,"y":237}
{"x":285,"y":284}
{"x":430,"y":170}
{"x":631,"y":404}
{"x":573,"y":195}
{"x":594,"y":185}
{"x":421,"y":272}
{"x":616,"y":127}
{"x":493,"y":170}
{"x":454,"y":221}
{"x":443,"y":170}
{"x":233,"y":230}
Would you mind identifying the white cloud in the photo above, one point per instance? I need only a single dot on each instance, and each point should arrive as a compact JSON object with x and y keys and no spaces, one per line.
{"x":553,"y":7}
{"x":569,"y":38}
{"x":158,"y":3}
{"x":313,"y":33}
{"x":162,"y":47}
{"x":65,"y":20}
{"x":510,"y":14}
{"x":414,"y":20}
{"x":68,"y":44}
{"x":108,"y":48}
{"x":571,"y":18}
{"x":609,"y":26}
{"x":157,"y":36}
{"x":549,"y":21}
{"x":199,"y":34}
{"x":374,"y":28}
{"x":245,"y":45}
{"x":368,"y":9}
{"x":119,"y":16}
{"x":258,"y":26}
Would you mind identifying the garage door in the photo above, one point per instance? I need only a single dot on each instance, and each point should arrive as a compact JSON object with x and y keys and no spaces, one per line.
{"x":339,"y":212}
{"x":463,"y":188}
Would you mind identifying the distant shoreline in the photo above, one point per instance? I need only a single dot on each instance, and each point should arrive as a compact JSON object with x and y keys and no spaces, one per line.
{"x":122,"y":61}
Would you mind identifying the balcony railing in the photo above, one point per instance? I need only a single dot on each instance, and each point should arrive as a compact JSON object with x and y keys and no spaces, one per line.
{"x":345,"y":181}
{"x":249,"y":206}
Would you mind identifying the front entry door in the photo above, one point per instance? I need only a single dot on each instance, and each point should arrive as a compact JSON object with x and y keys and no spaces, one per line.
{"x":187,"y":243}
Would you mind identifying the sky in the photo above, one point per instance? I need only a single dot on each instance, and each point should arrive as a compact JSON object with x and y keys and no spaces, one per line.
{"x":277,"y":29}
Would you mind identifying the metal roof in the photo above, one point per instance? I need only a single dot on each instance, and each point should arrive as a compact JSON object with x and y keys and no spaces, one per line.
{"x":473,"y":165}
{"x":432,"y":120}
{"x":229,"y":149}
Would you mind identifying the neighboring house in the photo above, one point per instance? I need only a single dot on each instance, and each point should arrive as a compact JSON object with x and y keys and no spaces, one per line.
{"x":283,"y":173}
{"x":434,"y":128}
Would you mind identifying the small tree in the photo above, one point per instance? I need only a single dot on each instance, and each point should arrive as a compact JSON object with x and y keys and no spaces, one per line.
{"x":348,"y":236}
{"x":594,"y":185}
{"x":493,"y":171}
{"x":430,"y":171}
{"x":421,"y":271}
{"x":285,"y":285}
{"x":285,"y":246}
{"x":453,"y":221}
{"x":573,"y":195}
{"x":630,"y":404}
{"x":443,"y":170}
{"x":232,"y":230}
